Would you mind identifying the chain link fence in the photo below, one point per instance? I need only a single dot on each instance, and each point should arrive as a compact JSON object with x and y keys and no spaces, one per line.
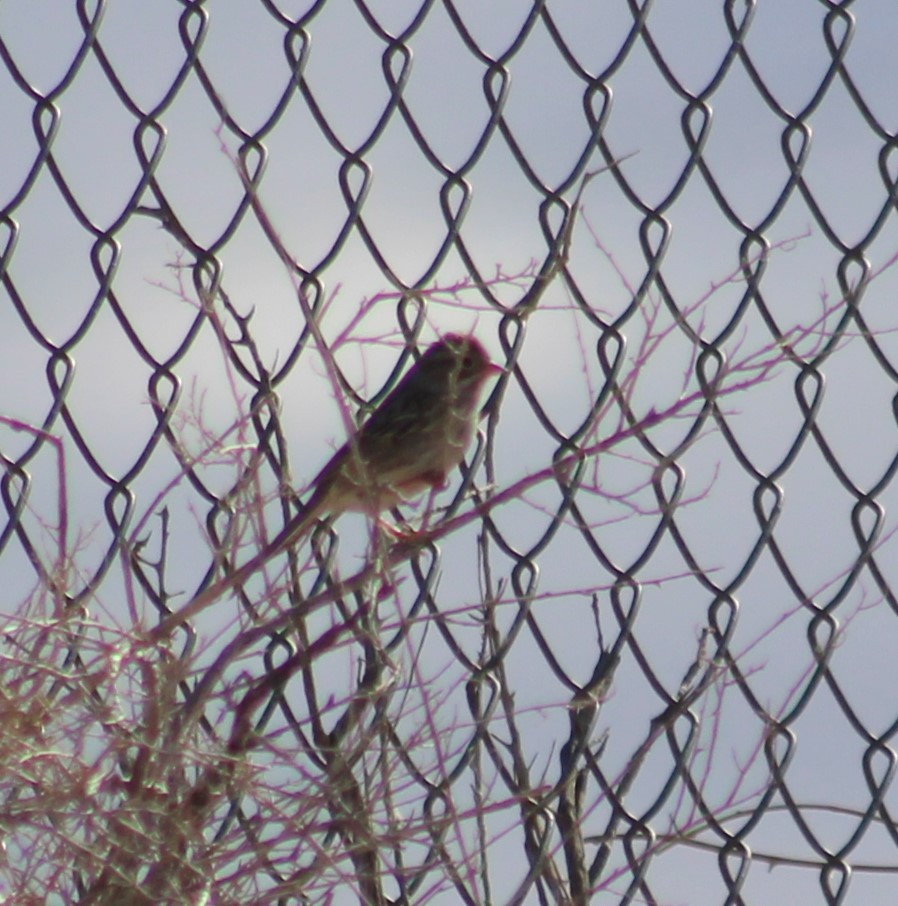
{"x":647,"y":654}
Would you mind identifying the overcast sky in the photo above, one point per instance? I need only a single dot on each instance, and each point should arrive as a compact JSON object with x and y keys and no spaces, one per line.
{"x":763,"y":108}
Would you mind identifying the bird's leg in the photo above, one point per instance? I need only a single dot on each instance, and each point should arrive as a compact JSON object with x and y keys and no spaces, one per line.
{"x":437,"y":481}
{"x":428,"y":506}
{"x":387,"y":528}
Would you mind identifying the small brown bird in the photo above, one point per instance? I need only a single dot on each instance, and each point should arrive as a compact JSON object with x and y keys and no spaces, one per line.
{"x":414,"y":438}
{"x":410,"y":443}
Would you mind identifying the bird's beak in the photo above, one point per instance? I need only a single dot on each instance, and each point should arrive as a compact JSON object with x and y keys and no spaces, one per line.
{"x":493,"y":368}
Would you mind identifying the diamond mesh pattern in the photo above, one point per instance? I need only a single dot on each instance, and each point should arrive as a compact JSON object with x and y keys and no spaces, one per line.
{"x":651,"y":653}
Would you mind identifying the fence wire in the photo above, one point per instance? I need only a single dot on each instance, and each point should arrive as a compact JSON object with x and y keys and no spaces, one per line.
{"x":651,"y":659}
